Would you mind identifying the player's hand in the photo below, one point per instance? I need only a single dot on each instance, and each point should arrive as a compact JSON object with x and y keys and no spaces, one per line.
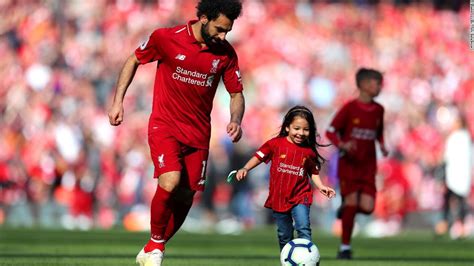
{"x":234,"y":131}
{"x":327,"y":191}
{"x":348,"y":146}
{"x":116,"y":114}
{"x":241,"y":174}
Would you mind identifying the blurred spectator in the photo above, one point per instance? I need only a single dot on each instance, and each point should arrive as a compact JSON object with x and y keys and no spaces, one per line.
{"x":458,"y":157}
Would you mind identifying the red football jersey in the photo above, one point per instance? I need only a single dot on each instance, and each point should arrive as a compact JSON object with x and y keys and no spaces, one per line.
{"x":186,"y":80}
{"x":290,"y":173}
{"x":362,"y":123}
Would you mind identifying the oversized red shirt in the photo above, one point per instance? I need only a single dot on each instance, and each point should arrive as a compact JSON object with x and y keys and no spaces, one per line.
{"x":290,"y":172}
{"x":186,"y":80}
{"x":363,"y":124}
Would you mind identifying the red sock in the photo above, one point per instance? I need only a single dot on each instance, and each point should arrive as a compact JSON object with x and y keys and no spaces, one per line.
{"x":160,"y":215}
{"x":152,"y":245}
{"x":348,"y":216}
{"x":179,"y":212}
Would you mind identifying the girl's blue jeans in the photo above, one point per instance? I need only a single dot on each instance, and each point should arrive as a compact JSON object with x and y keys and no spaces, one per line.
{"x":299,"y":214}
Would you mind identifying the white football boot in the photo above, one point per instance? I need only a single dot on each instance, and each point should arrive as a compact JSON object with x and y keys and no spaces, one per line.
{"x":142,"y":257}
{"x":153,"y":258}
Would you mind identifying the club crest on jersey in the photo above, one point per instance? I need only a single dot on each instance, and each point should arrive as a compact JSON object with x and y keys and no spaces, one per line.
{"x":282,"y":156}
{"x":215,"y":64}
{"x":356,"y":121}
{"x":161,"y":160}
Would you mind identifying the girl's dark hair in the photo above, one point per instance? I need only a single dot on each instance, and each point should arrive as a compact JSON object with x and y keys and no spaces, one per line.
{"x":212,"y":8}
{"x":305,"y":113}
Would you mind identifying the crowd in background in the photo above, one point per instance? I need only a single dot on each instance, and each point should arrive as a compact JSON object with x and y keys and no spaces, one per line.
{"x":62,"y":164}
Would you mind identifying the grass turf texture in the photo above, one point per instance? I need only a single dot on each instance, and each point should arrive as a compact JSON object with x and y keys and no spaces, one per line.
{"x":258,"y":247}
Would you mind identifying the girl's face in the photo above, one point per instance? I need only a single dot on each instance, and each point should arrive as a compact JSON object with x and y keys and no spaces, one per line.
{"x":298,"y":130}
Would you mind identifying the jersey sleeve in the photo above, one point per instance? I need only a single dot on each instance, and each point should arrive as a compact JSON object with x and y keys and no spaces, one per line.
{"x":337,"y":126}
{"x":311,"y":166}
{"x":150,"y":49}
{"x":231,"y":76}
{"x":264,"y":153}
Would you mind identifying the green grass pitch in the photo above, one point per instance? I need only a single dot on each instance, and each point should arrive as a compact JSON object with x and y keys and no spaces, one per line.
{"x":258,"y":247}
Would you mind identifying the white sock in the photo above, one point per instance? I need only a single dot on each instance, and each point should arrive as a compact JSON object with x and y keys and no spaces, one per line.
{"x":344,"y":247}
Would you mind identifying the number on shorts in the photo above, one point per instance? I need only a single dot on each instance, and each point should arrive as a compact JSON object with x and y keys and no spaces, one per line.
{"x":203,"y":171}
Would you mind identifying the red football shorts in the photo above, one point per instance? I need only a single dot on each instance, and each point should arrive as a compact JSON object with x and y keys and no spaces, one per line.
{"x":348,"y":186}
{"x":168,"y":154}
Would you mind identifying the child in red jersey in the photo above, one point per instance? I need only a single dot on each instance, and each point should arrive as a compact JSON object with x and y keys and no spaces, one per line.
{"x":295,"y":158}
{"x":354,"y":130}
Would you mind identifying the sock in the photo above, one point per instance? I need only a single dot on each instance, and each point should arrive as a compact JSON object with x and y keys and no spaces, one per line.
{"x":154,"y":244}
{"x":348,"y":216}
{"x":160,"y":215}
{"x":179,"y":213}
{"x":344,"y":247}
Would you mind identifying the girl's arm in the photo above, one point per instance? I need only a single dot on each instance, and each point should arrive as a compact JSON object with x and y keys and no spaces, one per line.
{"x":242,"y":172}
{"x":326,"y":191}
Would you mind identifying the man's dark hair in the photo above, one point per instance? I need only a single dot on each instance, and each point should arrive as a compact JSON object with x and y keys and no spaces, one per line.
{"x":367,"y":73}
{"x":213,"y":8}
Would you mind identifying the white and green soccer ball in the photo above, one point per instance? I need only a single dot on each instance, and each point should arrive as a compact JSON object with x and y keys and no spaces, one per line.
{"x":300,"y":252}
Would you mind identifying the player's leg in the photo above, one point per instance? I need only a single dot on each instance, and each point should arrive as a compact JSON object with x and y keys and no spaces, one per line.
{"x":285,"y":228}
{"x":193,"y":178}
{"x":348,"y":216}
{"x":152,"y":252}
{"x":165,"y":153}
{"x":161,"y":209}
{"x":180,"y":206}
{"x":300,"y":214}
{"x":366,"y":203}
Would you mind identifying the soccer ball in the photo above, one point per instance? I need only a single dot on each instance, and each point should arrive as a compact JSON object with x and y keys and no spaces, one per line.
{"x":300,"y":252}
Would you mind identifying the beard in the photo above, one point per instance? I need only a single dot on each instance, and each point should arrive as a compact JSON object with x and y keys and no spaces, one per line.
{"x":208,"y":40}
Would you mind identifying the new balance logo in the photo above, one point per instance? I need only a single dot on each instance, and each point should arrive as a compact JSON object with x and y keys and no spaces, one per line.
{"x":180,"y":57}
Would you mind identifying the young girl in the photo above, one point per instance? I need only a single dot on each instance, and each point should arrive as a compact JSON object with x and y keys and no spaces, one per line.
{"x":295,"y":158}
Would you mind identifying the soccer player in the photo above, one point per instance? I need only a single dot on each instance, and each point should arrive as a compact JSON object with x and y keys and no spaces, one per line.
{"x":295,"y":159}
{"x":191,"y":59}
{"x":354,"y":130}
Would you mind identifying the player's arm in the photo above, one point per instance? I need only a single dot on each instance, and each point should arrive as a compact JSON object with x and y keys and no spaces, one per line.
{"x":333,"y":132}
{"x":252,"y":163}
{"x":325,"y":190}
{"x":125,"y":78}
{"x":380,"y":138}
{"x":237,"y":109}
